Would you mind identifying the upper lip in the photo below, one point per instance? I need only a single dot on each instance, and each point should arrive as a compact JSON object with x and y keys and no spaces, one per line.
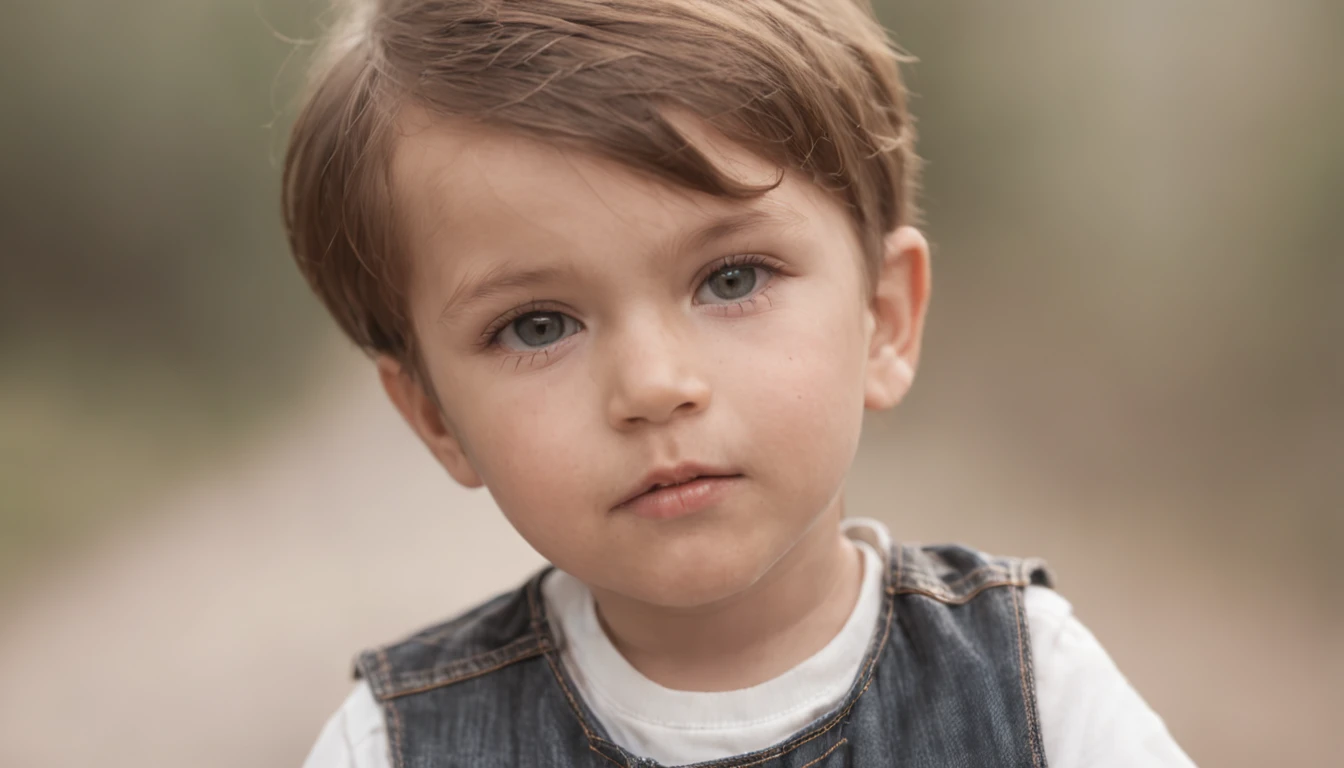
{"x":671,"y":475}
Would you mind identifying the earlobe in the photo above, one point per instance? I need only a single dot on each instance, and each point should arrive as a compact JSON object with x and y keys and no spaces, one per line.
{"x":900,"y":299}
{"x":426,"y":419}
{"x":889,"y":379}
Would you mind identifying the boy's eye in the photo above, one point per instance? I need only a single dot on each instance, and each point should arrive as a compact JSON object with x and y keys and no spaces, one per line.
{"x":535,"y":330}
{"x":731,"y":284}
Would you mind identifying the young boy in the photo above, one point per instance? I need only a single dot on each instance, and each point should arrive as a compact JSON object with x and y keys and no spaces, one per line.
{"x":638,"y":267}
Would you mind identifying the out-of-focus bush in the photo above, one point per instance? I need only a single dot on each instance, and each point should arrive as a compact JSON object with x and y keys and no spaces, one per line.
{"x":147,"y":301}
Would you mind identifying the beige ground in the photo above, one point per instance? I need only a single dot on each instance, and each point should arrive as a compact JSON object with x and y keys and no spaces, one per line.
{"x":219,"y":632}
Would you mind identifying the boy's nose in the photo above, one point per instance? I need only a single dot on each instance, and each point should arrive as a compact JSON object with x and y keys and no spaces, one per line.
{"x":655,"y":378}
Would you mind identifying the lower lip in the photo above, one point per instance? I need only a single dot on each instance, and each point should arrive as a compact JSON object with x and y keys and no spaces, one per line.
{"x":680,"y":500}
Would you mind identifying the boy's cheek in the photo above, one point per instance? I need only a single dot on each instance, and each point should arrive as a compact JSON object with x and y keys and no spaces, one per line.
{"x":533,"y":447}
{"x":807,"y":369}
{"x":808,"y":398}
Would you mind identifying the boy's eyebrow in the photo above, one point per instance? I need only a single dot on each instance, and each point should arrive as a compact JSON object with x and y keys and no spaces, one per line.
{"x":729,"y":225}
{"x":505,"y":276}
{"x":501,"y":278}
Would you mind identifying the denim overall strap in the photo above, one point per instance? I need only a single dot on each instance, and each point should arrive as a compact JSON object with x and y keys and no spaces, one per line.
{"x":956,"y":679}
{"x":479,"y":691}
{"x":946,"y":680}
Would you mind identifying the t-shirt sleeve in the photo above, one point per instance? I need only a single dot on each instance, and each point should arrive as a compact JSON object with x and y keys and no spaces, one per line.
{"x":354,"y":737}
{"x":1091,"y":717}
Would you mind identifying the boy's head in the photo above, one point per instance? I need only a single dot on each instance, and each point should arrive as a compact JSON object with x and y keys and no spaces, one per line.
{"x":596,"y":245}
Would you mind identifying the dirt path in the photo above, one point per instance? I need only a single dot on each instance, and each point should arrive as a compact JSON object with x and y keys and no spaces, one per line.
{"x":219,"y":632}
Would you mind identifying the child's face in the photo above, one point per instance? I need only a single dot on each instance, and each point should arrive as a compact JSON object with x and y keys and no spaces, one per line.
{"x":585,"y":326}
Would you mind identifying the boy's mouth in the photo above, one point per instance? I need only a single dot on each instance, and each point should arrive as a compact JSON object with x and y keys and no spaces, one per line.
{"x":676,"y":482}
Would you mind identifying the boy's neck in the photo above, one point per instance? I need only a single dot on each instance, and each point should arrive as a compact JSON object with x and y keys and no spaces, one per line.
{"x":786,"y":617}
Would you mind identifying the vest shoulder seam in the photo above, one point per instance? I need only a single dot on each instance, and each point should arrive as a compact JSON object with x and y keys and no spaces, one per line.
{"x":955,"y":575}
{"x":387,"y":685}
{"x":500,"y":632}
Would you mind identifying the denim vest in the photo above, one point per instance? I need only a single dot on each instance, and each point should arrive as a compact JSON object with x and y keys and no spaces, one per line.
{"x":946,"y":681}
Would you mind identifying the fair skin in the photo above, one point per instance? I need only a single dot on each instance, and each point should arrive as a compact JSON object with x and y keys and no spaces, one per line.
{"x":582,"y":325}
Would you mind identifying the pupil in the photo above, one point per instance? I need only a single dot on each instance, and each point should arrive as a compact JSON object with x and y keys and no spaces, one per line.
{"x":539,"y":329}
{"x":733,"y":282}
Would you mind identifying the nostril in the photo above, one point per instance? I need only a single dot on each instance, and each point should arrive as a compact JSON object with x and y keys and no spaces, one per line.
{"x":645,"y":401}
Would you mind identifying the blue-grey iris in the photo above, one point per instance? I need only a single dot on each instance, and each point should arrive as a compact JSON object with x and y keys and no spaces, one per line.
{"x":539,"y":329}
{"x":732,"y":282}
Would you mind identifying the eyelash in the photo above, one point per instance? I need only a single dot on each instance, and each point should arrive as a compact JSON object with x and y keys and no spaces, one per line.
{"x":490,"y":336}
{"x":773,"y":267}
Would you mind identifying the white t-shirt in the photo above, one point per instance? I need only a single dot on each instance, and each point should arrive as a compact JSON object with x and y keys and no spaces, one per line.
{"x":1090,"y":716}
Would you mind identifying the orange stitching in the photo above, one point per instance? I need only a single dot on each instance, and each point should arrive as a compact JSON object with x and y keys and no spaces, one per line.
{"x":578,"y":714}
{"x":881,"y":645}
{"x":432,"y":640}
{"x":604,"y":755}
{"x":397,"y":759}
{"x":383,"y":667}
{"x":894,"y":572}
{"x":559,"y":677}
{"x":824,"y":755}
{"x":960,"y":600}
{"x":976,"y":572}
{"x":1022,"y":674}
{"x":532,"y":585}
{"x":522,"y":641}
{"x":1016,"y":571}
{"x":443,"y":683}
{"x":948,"y":585}
{"x":572,"y":703}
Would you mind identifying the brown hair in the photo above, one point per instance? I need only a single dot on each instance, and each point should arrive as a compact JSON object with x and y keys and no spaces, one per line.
{"x":812,"y":85}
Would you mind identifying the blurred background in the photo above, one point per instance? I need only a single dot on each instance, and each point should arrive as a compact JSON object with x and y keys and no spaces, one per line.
{"x":1134,"y":368}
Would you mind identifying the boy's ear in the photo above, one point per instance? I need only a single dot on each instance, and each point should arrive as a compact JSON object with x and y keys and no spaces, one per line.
{"x":896,"y":318}
{"x":422,"y":412}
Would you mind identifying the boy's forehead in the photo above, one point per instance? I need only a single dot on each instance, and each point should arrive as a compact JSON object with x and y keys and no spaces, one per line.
{"x":470,"y":188}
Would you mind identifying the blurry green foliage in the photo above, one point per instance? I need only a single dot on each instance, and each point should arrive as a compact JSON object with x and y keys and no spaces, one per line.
{"x":149,"y":309}
{"x":140,"y":176}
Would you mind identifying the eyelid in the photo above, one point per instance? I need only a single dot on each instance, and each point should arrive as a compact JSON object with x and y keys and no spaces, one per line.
{"x":506,"y":336}
{"x":490,"y":336}
{"x":736,"y":260}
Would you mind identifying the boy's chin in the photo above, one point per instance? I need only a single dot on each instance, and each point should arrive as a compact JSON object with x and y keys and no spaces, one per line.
{"x":692,"y":577}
